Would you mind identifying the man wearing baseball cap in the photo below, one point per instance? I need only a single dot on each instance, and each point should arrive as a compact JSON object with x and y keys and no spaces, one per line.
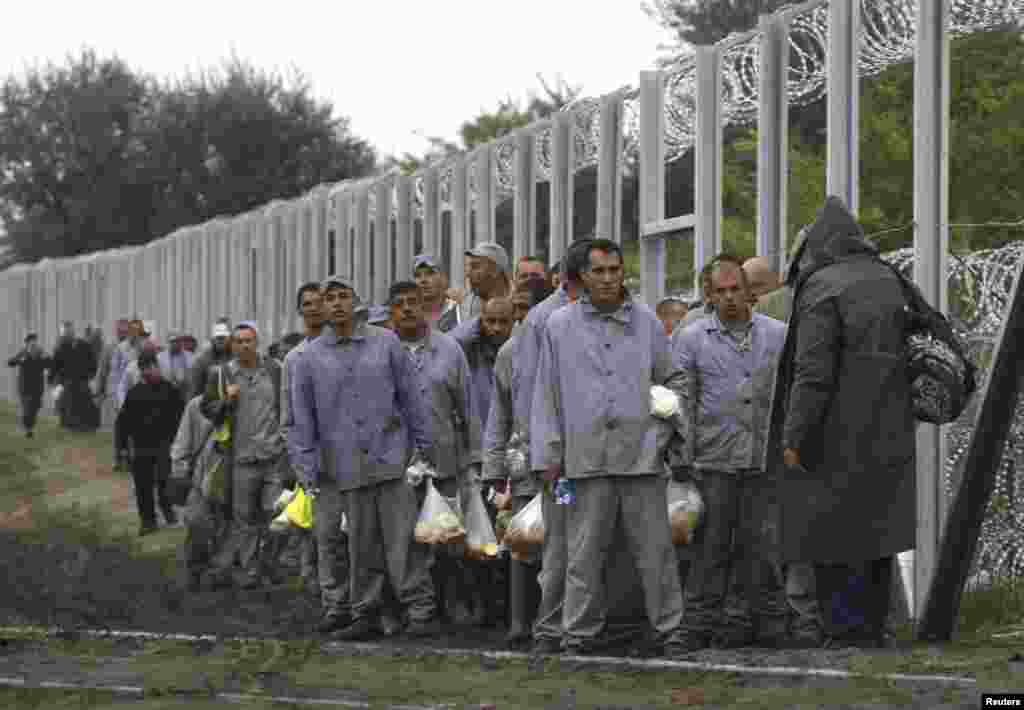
{"x":248,"y":390}
{"x":489,"y":277}
{"x":441,"y":312}
{"x":218,"y":352}
{"x":359,"y":420}
{"x":176,"y":365}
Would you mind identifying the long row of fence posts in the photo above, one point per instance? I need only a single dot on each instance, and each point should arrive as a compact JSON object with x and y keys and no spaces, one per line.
{"x":251,"y":264}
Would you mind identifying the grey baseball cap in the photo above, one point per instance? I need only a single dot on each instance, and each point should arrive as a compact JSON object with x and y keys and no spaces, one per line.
{"x":424,"y":260}
{"x":343,"y":282}
{"x":493,"y":251}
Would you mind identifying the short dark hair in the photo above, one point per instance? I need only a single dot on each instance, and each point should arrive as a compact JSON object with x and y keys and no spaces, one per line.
{"x":400,"y":287}
{"x":608,"y":247}
{"x":724,"y":259}
{"x":146,"y":360}
{"x":31,"y":337}
{"x":303,"y":289}
{"x":291,"y":340}
{"x":533,"y":257}
{"x":577,"y":259}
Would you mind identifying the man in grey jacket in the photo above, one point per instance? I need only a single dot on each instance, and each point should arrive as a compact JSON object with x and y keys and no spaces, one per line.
{"x":547,"y":629}
{"x":205,"y":519}
{"x":355,"y":399}
{"x":729,"y":361}
{"x":444,"y":383}
{"x":591,"y":424}
{"x":252,"y":400}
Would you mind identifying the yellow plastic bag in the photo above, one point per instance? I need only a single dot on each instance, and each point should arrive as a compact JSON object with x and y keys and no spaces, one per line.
{"x":222,"y":435}
{"x":300,"y":510}
{"x":481,"y":543}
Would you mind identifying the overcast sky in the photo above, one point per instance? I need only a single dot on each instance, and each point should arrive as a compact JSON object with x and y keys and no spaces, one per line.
{"x":394,"y":68}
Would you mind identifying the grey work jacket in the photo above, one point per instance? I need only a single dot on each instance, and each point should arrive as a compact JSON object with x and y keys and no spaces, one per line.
{"x":189,"y":443}
{"x":727,"y":392}
{"x":504,"y":420}
{"x":444,"y":384}
{"x":356,"y":399}
{"x":592,"y":403}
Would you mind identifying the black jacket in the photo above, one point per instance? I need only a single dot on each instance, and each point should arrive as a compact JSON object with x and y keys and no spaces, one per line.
{"x":842,"y":401}
{"x":149,"y":417}
{"x":73,"y":360}
{"x":31,"y":369}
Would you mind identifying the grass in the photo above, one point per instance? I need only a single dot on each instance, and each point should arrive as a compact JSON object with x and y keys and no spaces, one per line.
{"x":81,"y":512}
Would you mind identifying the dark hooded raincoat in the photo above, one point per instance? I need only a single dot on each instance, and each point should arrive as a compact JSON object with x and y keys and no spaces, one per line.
{"x":843,"y":402}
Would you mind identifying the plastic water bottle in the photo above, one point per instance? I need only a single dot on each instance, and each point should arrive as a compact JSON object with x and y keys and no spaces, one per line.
{"x":565,"y":491}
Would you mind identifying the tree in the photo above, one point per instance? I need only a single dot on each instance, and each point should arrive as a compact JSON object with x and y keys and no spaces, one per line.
{"x":703,"y":22}
{"x":95,"y":155}
{"x":491,"y":125}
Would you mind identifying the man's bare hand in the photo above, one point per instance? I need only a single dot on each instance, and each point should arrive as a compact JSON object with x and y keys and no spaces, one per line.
{"x":232,"y":391}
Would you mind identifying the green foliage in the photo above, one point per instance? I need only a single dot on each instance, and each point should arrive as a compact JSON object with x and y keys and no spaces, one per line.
{"x":491,"y":125}
{"x":707,"y":21}
{"x":96,"y":155}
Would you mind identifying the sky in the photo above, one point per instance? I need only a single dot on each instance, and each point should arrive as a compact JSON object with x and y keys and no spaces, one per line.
{"x":398,"y":70}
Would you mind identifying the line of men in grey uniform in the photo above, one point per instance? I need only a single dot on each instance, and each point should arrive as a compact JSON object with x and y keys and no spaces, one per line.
{"x":359,"y":403}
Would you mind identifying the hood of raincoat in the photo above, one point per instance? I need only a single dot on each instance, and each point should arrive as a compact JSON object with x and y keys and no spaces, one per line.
{"x":833,"y":237}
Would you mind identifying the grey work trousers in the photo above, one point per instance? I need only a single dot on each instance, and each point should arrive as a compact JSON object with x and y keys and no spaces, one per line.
{"x":332,"y":559}
{"x":592,"y":524}
{"x":256,"y":488}
{"x":554,"y":559}
{"x":737,"y":543}
{"x":206,"y":529}
{"x":802,"y":597}
{"x":381,"y":519}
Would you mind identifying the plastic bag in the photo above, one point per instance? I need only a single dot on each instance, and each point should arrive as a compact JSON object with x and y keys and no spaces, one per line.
{"x":215,"y":482}
{"x":300,"y":509}
{"x":685,"y":510}
{"x":481,"y":543}
{"x":526,"y":530}
{"x":284,"y":499}
{"x":438,"y":524}
{"x":664,"y":402}
{"x":281,"y":522}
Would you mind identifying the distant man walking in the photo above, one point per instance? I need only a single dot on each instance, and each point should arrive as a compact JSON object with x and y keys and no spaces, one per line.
{"x":32,"y":364}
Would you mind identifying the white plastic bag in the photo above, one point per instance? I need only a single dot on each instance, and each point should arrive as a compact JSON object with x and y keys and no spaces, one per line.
{"x":685,"y":510}
{"x":419,"y":470}
{"x":525,"y":531}
{"x":438,"y":524}
{"x":481,"y":542}
{"x":664,"y":402}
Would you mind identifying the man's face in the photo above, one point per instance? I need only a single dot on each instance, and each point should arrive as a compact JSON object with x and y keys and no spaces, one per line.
{"x":525,"y":269}
{"x":521,"y":303}
{"x":497,"y":320}
{"x":732,"y":297}
{"x":482,"y":272}
{"x":312,"y":309}
{"x":671,"y":314}
{"x":604,"y":278}
{"x":407,"y":312}
{"x":432,"y":283}
{"x":246,"y":344}
{"x":339,"y":302}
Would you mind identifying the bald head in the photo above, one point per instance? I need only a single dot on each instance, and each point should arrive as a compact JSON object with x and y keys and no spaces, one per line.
{"x":497,"y":316}
{"x":760,"y":276}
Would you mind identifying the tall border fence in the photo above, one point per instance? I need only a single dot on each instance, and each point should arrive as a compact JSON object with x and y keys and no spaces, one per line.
{"x":249,"y":265}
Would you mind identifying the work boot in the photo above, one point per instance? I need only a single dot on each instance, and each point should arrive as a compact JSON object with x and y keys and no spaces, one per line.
{"x":251,"y":583}
{"x":684,"y":643}
{"x":389,"y":624}
{"x":424,"y":628}
{"x":333,"y":621}
{"x":359,"y":630}
{"x":146,"y":529}
{"x":195,"y":582}
{"x":29,"y":434}
{"x":546,"y":647}
{"x":518,"y":590}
